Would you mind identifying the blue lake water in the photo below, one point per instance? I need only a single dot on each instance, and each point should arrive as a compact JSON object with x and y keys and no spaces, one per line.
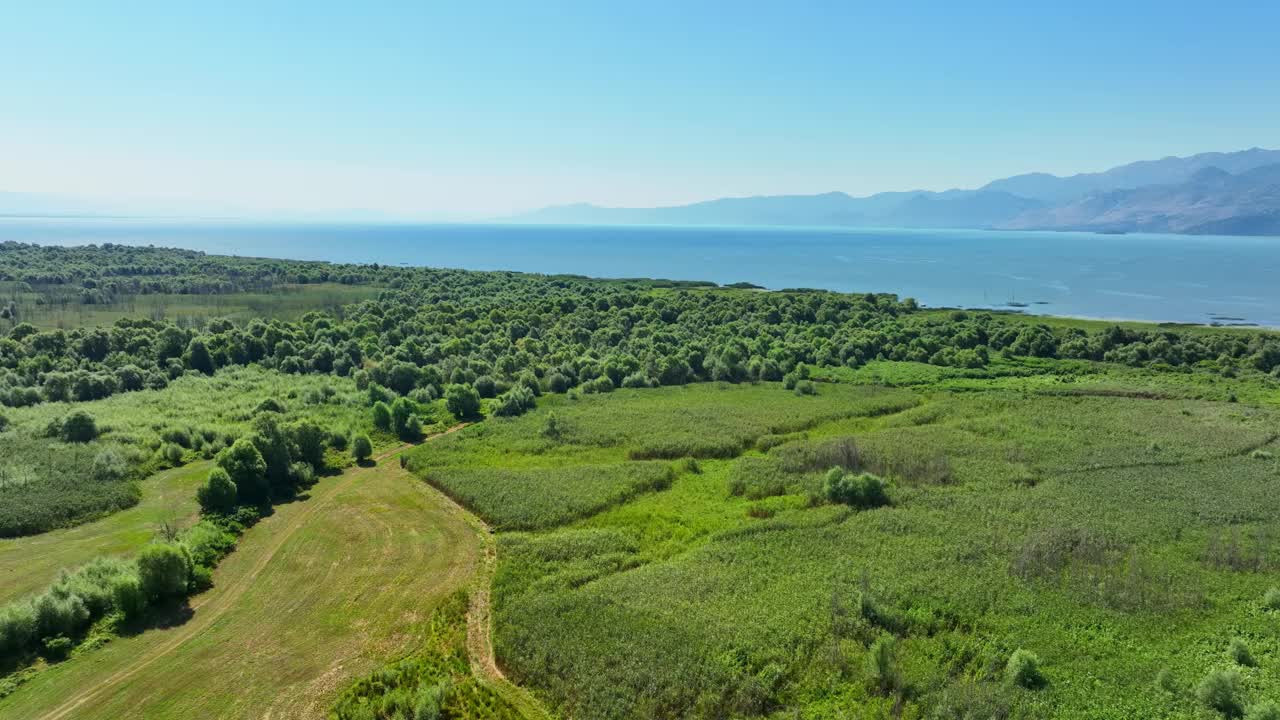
{"x":1171,"y":278}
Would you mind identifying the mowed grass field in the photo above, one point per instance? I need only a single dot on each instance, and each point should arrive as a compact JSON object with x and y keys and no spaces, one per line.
{"x":323,"y":591}
{"x":29,"y":564}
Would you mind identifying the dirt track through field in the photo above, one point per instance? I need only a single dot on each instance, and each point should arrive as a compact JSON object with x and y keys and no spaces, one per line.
{"x":211,"y":607}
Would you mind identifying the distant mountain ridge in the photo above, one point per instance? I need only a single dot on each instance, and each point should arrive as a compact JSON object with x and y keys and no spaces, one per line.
{"x":1227,"y":193}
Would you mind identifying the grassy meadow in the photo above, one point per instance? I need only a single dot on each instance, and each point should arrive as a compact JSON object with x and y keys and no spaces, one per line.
{"x":1126,"y":541}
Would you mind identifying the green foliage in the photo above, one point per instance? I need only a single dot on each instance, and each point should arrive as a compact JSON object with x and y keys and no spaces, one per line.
{"x":1271,"y":600}
{"x":218,"y":493}
{"x":882,"y":665}
{"x":79,"y":427}
{"x":243,"y":463}
{"x":435,"y":682}
{"x":516,"y":401}
{"x":1239,"y":652}
{"x":861,"y":490}
{"x":163,"y":571}
{"x":462,"y":400}
{"x":1222,"y":691}
{"x":361,"y":448}
{"x":1023,"y":670}
{"x":382,"y":416}
{"x":1266,"y":710}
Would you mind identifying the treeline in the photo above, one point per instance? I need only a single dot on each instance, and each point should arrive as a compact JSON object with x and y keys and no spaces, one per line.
{"x":491,"y":331}
{"x":273,"y":462}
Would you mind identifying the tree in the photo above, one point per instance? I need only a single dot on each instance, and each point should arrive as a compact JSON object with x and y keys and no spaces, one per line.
{"x":79,"y":427}
{"x":246,"y":468}
{"x":218,"y":493}
{"x":163,"y":571}
{"x":401,"y":411}
{"x":306,"y":440}
{"x":462,"y":400}
{"x":515,"y":401}
{"x":361,"y":448}
{"x":274,"y":448}
{"x":381,"y":416}
{"x":198,"y":357}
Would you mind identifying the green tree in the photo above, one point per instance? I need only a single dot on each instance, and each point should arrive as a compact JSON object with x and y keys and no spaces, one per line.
{"x":218,"y":493}
{"x":243,"y":463}
{"x":361,"y":448}
{"x":198,"y":357}
{"x":306,"y":440}
{"x":79,"y":426}
{"x":401,"y":411}
{"x":462,"y":400}
{"x":381,"y":416}
{"x":163,"y":571}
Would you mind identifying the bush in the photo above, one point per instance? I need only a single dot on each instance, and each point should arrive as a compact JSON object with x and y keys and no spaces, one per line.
{"x":1221,"y":691}
{"x":127,"y":596}
{"x":882,"y":665}
{"x":412,"y":429}
{"x":1023,"y":670}
{"x":1271,"y":600}
{"x":17,"y":628}
{"x":218,"y":493}
{"x":60,"y":613}
{"x":163,"y":571}
{"x":79,"y":427}
{"x":1239,"y":652}
{"x":1267,"y":710}
{"x":246,"y":468}
{"x":516,"y":401}
{"x":172,"y":453}
{"x":109,"y":465}
{"x":862,"y":490}
{"x":806,"y":387}
{"x":382,"y":416}
{"x":361,"y":447}
{"x":58,"y":648}
{"x":462,"y":400}
{"x":306,"y":442}
{"x":486,"y":387}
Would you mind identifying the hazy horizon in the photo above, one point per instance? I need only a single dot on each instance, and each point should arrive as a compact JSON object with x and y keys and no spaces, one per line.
{"x":476,"y":113}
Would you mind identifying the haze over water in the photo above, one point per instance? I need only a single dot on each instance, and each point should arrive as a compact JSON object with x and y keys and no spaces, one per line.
{"x":1163,"y":278}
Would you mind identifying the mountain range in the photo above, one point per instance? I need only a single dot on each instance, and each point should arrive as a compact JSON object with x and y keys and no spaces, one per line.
{"x":1212,"y":193}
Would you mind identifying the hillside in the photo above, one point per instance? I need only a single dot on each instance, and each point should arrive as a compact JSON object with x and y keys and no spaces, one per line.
{"x":1172,"y":199}
{"x":1211,"y":201}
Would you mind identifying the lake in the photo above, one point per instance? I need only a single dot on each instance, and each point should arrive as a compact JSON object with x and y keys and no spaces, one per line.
{"x":1171,"y":278}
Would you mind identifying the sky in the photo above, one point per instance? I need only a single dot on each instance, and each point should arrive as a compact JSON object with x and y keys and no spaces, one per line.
{"x":474,"y":109}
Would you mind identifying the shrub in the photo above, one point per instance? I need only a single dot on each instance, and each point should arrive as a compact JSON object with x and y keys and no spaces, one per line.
{"x":218,"y":493}
{"x":58,"y":648}
{"x":127,"y":596}
{"x":1271,"y":600}
{"x":246,"y":468}
{"x":4,"y":423}
{"x":338,"y":441}
{"x":1166,"y":682}
{"x":60,"y":613}
{"x":882,"y":665}
{"x":163,"y":570}
{"x":486,"y":387}
{"x":462,"y":400}
{"x":306,"y":442}
{"x":806,"y":387}
{"x":1023,"y":670}
{"x":401,"y":411}
{"x":382,"y":416}
{"x":172,"y":453}
{"x":516,"y":401}
{"x":1267,"y":710}
{"x":1221,"y":691}
{"x":79,"y":427}
{"x":269,"y":405}
{"x":557,"y":383}
{"x":109,"y":465}
{"x":1239,"y":652}
{"x":361,"y":448}
{"x":17,"y":628}
{"x":862,"y":490}
{"x":552,"y":427}
{"x":412,"y":429}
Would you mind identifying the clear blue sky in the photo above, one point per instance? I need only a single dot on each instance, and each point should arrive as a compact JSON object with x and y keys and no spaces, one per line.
{"x":483,"y":108}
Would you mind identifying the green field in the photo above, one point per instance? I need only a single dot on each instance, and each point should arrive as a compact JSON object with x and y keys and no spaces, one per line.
{"x":29,"y":564}
{"x":1114,"y":537}
{"x":325,"y":590}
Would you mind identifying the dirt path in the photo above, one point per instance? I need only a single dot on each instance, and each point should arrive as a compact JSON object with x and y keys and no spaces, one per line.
{"x":484,"y":664}
{"x":211,"y":606}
